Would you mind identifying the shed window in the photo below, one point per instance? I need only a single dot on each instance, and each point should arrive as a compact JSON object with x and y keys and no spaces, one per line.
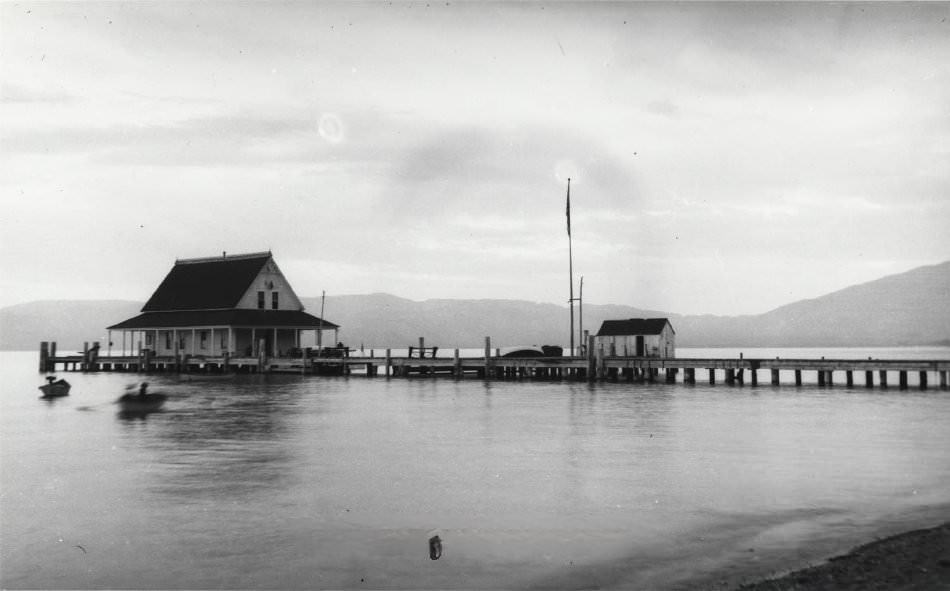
{"x":260,"y":300}
{"x":273,"y":300}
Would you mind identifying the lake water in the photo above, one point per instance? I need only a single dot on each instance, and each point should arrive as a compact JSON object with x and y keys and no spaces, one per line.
{"x":267,"y":482}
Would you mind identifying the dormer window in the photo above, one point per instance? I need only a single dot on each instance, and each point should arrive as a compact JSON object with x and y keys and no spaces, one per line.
{"x":273,"y":300}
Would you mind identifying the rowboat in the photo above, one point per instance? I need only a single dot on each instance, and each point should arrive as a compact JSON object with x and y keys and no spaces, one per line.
{"x":141,"y":402}
{"x":54,"y":388}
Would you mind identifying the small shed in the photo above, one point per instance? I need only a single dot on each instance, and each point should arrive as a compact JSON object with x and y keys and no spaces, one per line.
{"x":639,"y":337}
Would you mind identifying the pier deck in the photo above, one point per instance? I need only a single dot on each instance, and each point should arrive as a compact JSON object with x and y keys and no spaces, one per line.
{"x":918,"y":373}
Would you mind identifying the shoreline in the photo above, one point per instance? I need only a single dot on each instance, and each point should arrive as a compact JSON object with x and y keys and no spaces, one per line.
{"x":917,"y":559}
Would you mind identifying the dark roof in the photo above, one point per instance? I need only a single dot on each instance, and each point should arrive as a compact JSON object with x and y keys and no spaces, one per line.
{"x":207,"y":284}
{"x":237,"y":318}
{"x":633,"y":326}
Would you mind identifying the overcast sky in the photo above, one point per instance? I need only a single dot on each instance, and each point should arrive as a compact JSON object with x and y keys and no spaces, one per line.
{"x":726,"y":158}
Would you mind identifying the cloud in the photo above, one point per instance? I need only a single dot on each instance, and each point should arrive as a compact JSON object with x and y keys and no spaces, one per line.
{"x":518,"y":171}
{"x":12,"y":93}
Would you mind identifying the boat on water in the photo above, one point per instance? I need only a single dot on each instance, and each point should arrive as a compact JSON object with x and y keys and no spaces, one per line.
{"x":142,"y":401}
{"x":55,"y":388}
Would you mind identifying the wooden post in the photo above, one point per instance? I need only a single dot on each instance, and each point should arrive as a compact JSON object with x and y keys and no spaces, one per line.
{"x":798,"y":377}
{"x":755,"y":377}
{"x":590,"y":358}
{"x":821,"y":377}
{"x":943,"y":379}
{"x":44,"y":356}
{"x":689,"y":375}
{"x":487,"y":357}
{"x":923,"y":380}
{"x":457,"y":364}
{"x":422,"y":347}
{"x":882,"y":377}
{"x":868,"y":379}
{"x":903,"y":379}
{"x":389,"y":361}
{"x":51,"y":364}
{"x":730,"y":376}
{"x":849,"y":378}
{"x":712,"y":376}
{"x":775,"y":377}
{"x":829,"y":378}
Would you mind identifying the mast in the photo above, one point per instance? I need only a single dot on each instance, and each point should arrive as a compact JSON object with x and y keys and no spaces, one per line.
{"x":580,"y":329}
{"x":323,"y":299}
{"x":570,"y":262}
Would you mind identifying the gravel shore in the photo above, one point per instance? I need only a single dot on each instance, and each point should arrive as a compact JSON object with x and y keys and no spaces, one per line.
{"x":918,"y":560}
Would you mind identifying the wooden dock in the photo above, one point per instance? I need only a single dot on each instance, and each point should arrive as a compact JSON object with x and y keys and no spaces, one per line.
{"x":868,"y":373}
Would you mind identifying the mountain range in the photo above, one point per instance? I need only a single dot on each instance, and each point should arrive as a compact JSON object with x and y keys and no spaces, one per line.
{"x":911,"y":308}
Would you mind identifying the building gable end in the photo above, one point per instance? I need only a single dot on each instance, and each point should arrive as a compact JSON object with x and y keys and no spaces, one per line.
{"x":270,"y":286}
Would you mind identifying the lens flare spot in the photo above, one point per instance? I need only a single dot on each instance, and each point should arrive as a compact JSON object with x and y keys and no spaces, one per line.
{"x":331,"y":128}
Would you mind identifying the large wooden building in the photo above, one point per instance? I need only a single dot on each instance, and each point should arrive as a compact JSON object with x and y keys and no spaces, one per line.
{"x":229,"y":305}
{"x":637,"y":337}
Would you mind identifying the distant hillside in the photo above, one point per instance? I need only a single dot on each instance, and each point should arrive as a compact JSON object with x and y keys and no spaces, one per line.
{"x":912,"y":308}
{"x":68,"y":322}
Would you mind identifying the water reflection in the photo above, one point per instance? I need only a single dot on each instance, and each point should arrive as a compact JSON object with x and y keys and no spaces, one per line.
{"x":221,"y":440}
{"x":127,"y":415}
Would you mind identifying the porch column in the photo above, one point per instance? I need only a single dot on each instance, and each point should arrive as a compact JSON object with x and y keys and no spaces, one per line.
{"x":230,"y":341}
{"x":273,"y":345}
{"x":192,"y":342}
{"x":212,"y":341}
{"x":254,"y":350}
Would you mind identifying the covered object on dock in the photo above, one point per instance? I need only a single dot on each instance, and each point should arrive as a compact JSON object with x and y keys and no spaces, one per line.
{"x":231,"y":305}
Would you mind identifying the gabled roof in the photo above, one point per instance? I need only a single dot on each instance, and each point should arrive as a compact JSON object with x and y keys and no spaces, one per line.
{"x":633,"y":326}
{"x":237,"y":318}
{"x":208,"y":283}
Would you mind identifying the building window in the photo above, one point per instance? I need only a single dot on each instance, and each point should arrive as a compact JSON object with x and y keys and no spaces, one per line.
{"x":260,"y":300}
{"x":168,"y":339}
{"x":273,"y":300}
{"x":148,"y":339}
{"x":204,"y":339}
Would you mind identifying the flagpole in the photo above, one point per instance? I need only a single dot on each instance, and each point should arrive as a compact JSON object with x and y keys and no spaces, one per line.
{"x":570,"y":259}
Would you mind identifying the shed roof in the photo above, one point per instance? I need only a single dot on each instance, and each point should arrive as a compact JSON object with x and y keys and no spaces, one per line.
{"x":240,"y":318}
{"x":207,"y":284}
{"x":633,"y":326}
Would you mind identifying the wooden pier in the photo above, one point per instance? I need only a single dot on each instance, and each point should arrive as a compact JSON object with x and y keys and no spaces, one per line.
{"x":422,"y":361}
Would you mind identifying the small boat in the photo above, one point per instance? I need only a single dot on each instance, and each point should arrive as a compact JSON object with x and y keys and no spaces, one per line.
{"x":55,"y":388}
{"x":141,"y":401}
